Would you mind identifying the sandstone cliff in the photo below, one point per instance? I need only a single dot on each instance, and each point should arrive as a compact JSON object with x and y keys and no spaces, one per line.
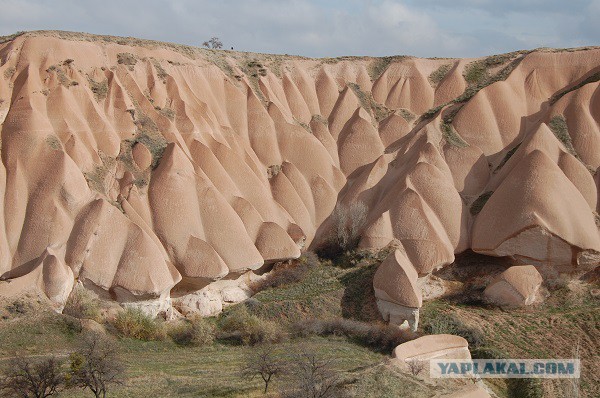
{"x":147,"y":170}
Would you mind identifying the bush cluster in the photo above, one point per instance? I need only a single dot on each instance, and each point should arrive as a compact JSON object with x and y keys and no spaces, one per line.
{"x":240,"y":326}
{"x":134,"y":323}
{"x":196,"y":331}
{"x":449,"y":324}
{"x":82,"y":304}
{"x":382,"y":337}
{"x":281,"y":275}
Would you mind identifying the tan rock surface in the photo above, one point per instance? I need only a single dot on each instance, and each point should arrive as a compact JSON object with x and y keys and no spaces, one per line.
{"x":517,"y":286}
{"x":435,"y":346}
{"x":188,"y":166}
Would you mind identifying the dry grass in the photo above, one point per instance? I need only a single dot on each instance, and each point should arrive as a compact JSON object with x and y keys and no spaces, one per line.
{"x":451,"y":136}
{"x":378,"y":66}
{"x":9,"y":72}
{"x":126,"y":59}
{"x":548,"y":330}
{"x":439,"y":74}
{"x":100,"y":89}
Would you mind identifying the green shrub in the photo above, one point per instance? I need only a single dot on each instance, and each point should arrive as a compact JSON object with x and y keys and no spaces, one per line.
{"x":126,"y":59}
{"x":525,"y":388}
{"x":281,"y":275}
{"x":449,"y":324}
{"x":82,"y":304}
{"x":382,"y":337}
{"x":439,"y":74}
{"x":475,"y":72}
{"x":195,"y":332}
{"x":240,"y":326}
{"x":70,"y":326}
{"x":100,"y":89}
{"x":134,"y":323}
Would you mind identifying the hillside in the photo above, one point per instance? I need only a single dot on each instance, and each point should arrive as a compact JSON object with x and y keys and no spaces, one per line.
{"x":147,"y":170}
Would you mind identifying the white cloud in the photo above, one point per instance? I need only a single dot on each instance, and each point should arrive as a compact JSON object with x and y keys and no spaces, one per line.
{"x":325,"y":27}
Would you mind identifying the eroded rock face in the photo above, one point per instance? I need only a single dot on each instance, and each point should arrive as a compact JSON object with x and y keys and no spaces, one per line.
{"x":517,"y":286}
{"x":186,"y":167}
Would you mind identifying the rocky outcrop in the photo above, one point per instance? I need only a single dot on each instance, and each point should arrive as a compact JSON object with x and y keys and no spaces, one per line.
{"x":160,"y":177}
{"x":517,"y":286}
{"x":436,"y":346}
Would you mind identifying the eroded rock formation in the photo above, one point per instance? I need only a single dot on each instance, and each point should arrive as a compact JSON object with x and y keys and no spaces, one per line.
{"x":148,"y":170}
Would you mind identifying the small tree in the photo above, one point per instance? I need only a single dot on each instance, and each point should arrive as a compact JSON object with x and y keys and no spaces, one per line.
{"x":313,"y":376}
{"x":415,"y":366}
{"x":33,"y":378}
{"x":263,"y":362}
{"x":96,"y":365}
{"x":213,"y":43}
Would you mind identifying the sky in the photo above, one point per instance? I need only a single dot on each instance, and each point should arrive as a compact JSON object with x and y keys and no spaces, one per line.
{"x":326,"y":28}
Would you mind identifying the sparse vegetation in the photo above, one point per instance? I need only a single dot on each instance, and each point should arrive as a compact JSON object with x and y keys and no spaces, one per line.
{"x":265,"y":363}
{"x":406,"y":114}
{"x":273,"y":170}
{"x":9,"y":72}
{"x":100,"y":89}
{"x":167,"y":112}
{"x":63,"y":79}
{"x":239,"y":325}
{"x":379,"y":65}
{"x":558,"y":126}
{"x":281,"y":275}
{"x":347,"y":222}
{"x":161,"y":73}
{"x":451,"y":136}
{"x":506,"y":157}
{"x":54,"y":142}
{"x":196,"y":331}
{"x":476,"y":72}
{"x":96,"y":365}
{"x":313,"y":376}
{"x":127,"y":59}
{"x":97,"y":179}
{"x":134,"y":323}
{"x":439,"y":74}
{"x":448,"y":324}
{"x":379,"y":337}
{"x":378,"y":111}
{"x":213,"y":43}
{"x":33,"y":377}
{"x":149,"y":135}
{"x":595,"y":77}
{"x":82,"y":304}
{"x":478,"y":204}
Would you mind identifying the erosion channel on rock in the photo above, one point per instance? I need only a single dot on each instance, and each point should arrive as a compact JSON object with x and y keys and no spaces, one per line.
{"x":147,"y":171}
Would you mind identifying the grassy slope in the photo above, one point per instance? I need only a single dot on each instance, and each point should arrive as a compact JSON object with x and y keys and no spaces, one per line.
{"x":548,"y":330}
{"x":164,"y":369}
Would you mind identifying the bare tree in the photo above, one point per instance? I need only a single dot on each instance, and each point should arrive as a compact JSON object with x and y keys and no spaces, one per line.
{"x":313,"y":376}
{"x":415,"y":366}
{"x":347,"y":222}
{"x":263,"y":362}
{"x":33,"y":378}
{"x":96,"y":365}
{"x":213,"y":43}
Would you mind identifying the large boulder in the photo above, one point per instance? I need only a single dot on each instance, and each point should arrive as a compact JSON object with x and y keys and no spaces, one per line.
{"x":470,"y":392}
{"x":436,"y":346}
{"x":517,"y":286}
{"x":398,"y":295}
